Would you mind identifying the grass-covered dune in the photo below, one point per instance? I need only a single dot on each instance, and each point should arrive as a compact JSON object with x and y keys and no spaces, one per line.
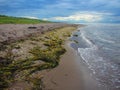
{"x":19,"y":20}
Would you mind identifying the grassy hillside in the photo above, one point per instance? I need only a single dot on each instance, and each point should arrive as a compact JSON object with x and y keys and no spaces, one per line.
{"x":18,"y":20}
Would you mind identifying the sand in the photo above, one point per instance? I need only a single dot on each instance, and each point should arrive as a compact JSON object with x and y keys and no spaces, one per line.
{"x":71,"y":74}
{"x":13,"y":32}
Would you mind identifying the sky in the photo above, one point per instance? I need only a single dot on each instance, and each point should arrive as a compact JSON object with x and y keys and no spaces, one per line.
{"x":71,"y":11}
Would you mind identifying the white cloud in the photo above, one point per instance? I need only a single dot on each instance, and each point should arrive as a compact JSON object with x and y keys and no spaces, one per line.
{"x":30,"y":17}
{"x":81,"y":16}
{"x":45,"y":19}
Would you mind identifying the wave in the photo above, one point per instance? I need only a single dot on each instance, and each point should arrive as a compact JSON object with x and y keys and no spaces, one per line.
{"x":90,"y":42}
{"x":99,"y":48}
{"x":106,"y":40}
{"x":105,"y":72}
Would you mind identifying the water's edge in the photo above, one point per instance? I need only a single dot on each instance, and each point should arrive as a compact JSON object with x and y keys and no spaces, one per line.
{"x":90,"y":48}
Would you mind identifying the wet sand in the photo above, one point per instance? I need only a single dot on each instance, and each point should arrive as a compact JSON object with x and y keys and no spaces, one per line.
{"x":71,"y":74}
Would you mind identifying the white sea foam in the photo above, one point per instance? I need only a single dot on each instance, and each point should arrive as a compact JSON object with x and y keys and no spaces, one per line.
{"x":87,"y":40}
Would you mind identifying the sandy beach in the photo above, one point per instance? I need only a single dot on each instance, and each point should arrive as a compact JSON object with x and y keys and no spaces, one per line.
{"x":71,"y":74}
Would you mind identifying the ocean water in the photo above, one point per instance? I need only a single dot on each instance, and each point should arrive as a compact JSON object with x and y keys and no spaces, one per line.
{"x":99,"y":47}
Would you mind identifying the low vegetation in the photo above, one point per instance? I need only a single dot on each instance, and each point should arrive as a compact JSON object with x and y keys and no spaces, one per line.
{"x":41,"y":53}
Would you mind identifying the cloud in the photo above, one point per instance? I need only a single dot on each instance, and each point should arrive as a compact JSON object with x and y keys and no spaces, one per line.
{"x":63,"y":10}
{"x":30,"y":17}
{"x":81,"y":16}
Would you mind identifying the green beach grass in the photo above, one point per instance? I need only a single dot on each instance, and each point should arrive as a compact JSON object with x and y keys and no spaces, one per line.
{"x":19,"y":20}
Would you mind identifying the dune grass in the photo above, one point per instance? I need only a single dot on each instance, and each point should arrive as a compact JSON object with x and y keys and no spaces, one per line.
{"x":19,"y":20}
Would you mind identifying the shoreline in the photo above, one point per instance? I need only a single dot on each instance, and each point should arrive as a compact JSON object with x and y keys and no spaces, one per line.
{"x":65,"y":75}
{"x":71,"y":74}
{"x":68,"y":73}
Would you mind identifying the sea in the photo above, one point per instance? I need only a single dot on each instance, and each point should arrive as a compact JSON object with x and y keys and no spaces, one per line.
{"x":99,"y":47}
